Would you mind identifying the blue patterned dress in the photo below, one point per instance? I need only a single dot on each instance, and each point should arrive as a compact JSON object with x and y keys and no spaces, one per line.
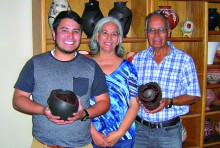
{"x":122,"y":86}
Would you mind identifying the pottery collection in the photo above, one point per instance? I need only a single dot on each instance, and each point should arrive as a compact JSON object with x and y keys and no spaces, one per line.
{"x":170,"y":14}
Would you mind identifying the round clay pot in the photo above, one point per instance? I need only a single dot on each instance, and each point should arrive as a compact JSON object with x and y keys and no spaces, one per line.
{"x":63,"y":103}
{"x":91,"y":15}
{"x":56,"y":7}
{"x":213,"y":19}
{"x":150,"y":95}
{"x":217,"y":127}
{"x":210,"y":98}
{"x":170,"y":14}
{"x":213,"y":76}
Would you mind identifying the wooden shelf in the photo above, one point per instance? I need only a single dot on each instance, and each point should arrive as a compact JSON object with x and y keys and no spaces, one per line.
{"x":215,"y":109}
{"x":213,"y":86}
{"x":191,"y":114}
{"x":214,"y":65}
{"x":214,"y":33}
{"x":214,"y":139}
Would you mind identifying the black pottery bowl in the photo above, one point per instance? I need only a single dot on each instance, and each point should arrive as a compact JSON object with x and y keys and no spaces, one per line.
{"x":63,"y":103}
{"x":150,"y":95}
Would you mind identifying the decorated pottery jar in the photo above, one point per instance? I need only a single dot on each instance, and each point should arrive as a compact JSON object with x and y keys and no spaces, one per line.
{"x":170,"y":14}
{"x":208,"y":129}
{"x":56,"y":7}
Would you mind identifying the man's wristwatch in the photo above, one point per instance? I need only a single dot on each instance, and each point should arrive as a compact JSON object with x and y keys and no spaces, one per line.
{"x":86,"y":116}
{"x":170,"y":104}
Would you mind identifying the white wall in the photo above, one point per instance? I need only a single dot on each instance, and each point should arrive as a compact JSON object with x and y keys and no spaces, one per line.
{"x":15,"y":50}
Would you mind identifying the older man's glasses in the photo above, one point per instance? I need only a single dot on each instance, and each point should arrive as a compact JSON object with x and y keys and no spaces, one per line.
{"x":161,"y":30}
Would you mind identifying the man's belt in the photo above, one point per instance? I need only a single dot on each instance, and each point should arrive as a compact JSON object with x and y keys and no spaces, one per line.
{"x":158,"y":124}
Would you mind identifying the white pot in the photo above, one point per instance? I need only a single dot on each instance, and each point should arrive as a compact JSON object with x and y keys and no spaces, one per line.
{"x":56,"y":7}
{"x":212,"y":47}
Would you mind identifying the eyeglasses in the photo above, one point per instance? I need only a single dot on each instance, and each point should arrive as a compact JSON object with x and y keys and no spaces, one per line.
{"x":160,"y":30}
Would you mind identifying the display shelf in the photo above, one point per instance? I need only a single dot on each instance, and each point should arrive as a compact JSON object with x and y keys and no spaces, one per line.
{"x":215,"y":109}
{"x":213,"y":86}
{"x":214,"y":65}
{"x":213,"y":140}
{"x":191,"y":114}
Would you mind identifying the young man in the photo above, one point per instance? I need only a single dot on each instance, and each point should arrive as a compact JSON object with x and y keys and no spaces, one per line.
{"x":176,"y":74}
{"x":62,"y":68}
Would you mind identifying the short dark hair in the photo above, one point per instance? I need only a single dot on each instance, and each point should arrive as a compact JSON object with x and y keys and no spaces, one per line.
{"x":67,"y":14}
{"x":159,"y":14}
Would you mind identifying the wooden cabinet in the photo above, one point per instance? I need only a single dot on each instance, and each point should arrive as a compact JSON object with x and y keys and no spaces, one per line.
{"x":214,"y":113}
{"x":196,"y":46}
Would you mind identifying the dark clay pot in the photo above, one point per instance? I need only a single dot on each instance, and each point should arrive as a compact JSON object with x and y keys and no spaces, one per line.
{"x":91,"y":15}
{"x":150,"y":95}
{"x":213,"y":18}
{"x":63,"y":103}
{"x":123,"y":14}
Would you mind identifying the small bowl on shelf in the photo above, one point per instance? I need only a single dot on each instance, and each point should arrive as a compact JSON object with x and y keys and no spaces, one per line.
{"x":217,"y":127}
{"x":213,"y":76}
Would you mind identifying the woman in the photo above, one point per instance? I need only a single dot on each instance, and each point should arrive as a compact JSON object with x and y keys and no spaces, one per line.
{"x":116,"y":128}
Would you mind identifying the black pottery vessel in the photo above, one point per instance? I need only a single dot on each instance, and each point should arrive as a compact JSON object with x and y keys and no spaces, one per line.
{"x":150,"y":95}
{"x":213,"y":19}
{"x":91,"y":15}
{"x":63,"y":103}
{"x":121,"y":12}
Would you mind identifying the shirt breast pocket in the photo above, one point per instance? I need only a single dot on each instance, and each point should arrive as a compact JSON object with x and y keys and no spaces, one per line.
{"x":80,"y":86}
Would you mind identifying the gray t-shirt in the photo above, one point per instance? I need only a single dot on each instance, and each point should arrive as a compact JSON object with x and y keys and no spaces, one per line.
{"x":42,"y":74}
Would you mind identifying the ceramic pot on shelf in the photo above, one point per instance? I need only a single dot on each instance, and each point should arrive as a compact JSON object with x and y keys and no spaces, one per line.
{"x":210,"y":98}
{"x":91,"y":15}
{"x":130,"y":55}
{"x":170,"y":14}
{"x":217,"y":127}
{"x":213,"y":19}
{"x":121,"y":12}
{"x":56,"y":7}
{"x":212,"y":48}
{"x":217,"y":54}
{"x":208,"y":129}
